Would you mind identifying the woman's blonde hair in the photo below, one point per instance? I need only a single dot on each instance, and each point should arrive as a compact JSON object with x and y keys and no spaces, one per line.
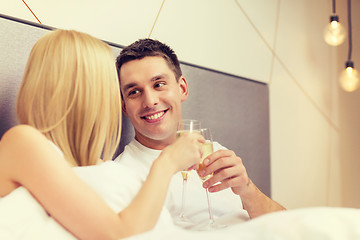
{"x":70,"y":93}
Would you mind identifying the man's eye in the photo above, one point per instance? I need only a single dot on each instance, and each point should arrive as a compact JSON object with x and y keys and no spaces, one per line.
{"x":133,"y":92}
{"x":160,"y":84}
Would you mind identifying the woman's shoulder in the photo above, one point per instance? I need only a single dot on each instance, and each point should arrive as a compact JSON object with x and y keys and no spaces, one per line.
{"x":20,"y":142}
{"x":14,"y":143}
{"x":20,"y":131}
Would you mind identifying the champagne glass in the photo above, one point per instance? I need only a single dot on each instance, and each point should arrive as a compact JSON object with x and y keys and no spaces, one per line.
{"x":185,"y":126}
{"x":207,"y":149}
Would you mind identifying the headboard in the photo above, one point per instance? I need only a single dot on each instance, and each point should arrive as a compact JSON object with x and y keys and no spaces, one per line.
{"x":235,"y":108}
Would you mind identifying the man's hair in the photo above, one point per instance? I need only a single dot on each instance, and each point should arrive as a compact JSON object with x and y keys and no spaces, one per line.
{"x":149,"y":48}
{"x":70,"y":93}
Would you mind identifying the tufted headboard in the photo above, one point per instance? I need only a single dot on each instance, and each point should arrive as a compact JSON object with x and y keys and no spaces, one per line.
{"x":235,"y":108}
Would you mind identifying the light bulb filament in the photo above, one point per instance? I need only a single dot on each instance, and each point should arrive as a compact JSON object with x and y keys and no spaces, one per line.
{"x":335,"y":24}
{"x":349,"y":70}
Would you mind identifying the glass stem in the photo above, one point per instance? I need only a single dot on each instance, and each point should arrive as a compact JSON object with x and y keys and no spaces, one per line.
{"x":183,"y":198}
{"x":209,"y":207}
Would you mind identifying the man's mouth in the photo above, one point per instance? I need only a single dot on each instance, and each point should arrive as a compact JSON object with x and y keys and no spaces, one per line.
{"x":154,"y":117}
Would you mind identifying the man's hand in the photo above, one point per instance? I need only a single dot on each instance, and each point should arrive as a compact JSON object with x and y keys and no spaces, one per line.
{"x":228,"y":170}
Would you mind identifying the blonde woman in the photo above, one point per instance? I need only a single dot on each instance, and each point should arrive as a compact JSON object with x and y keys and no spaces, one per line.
{"x":70,"y":114}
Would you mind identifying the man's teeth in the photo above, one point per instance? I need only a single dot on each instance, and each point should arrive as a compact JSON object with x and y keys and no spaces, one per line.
{"x":155,"y":116}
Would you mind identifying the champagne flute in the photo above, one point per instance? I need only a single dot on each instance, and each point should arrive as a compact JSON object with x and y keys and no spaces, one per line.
{"x":207,"y":149}
{"x":185,"y":126}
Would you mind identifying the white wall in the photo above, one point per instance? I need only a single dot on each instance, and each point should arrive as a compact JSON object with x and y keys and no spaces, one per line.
{"x":349,"y":116}
{"x":314,"y":125}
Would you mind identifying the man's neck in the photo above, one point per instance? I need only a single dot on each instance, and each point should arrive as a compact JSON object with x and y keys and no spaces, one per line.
{"x":154,"y":144}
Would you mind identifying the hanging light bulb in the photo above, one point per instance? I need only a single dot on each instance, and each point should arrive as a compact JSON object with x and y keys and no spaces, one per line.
{"x":334,"y":33}
{"x":349,"y":78}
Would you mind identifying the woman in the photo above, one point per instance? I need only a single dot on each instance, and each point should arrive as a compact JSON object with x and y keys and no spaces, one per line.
{"x":69,"y":109}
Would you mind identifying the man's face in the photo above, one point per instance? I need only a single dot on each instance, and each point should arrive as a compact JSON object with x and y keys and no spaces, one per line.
{"x":152,"y":100}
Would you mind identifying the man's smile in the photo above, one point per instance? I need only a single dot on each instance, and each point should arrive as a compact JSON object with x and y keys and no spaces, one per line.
{"x":154,"y":117}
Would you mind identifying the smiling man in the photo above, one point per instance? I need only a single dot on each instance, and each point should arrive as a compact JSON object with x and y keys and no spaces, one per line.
{"x":153,"y":89}
{"x":152,"y":100}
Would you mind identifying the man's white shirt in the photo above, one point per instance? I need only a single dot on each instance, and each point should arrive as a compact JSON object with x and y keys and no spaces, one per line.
{"x":225,"y":203}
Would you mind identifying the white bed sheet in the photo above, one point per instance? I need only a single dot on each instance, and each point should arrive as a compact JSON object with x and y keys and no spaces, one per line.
{"x":316,"y":223}
{"x":21,"y":217}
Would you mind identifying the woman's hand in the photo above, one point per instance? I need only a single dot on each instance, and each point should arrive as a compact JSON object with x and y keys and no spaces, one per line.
{"x":184,"y":153}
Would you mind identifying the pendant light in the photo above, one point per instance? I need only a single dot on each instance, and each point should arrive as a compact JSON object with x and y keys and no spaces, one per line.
{"x":349,"y":78}
{"x":334,"y":33}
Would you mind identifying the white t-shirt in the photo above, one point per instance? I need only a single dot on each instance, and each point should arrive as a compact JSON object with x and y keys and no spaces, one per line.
{"x":140,"y":158}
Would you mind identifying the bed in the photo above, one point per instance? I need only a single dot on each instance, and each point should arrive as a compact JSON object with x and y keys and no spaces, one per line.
{"x":309,"y":223}
{"x":316,"y":223}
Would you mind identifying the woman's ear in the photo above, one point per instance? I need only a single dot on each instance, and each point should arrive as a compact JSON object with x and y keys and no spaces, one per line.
{"x":183,"y":88}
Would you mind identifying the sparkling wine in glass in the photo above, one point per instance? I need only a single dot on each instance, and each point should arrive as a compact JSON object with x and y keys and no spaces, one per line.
{"x":207,"y":149}
{"x":185,"y":126}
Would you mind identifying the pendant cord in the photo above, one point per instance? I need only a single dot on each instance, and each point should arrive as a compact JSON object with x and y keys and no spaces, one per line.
{"x":350,"y":28}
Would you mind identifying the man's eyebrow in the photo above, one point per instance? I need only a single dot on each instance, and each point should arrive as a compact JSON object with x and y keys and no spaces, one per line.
{"x":159,"y":76}
{"x":153,"y":79}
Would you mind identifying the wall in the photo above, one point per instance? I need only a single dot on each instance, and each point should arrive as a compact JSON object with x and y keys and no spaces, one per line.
{"x":349,"y":116}
{"x":314,"y":124}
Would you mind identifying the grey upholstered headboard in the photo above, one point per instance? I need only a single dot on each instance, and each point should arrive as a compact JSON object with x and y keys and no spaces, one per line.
{"x":236,"y":109}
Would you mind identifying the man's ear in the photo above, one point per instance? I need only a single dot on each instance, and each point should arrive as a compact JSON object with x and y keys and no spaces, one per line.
{"x":123,"y":107}
{"x":183,"y":88}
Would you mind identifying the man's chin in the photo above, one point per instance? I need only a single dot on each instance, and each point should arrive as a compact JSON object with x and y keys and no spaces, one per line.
{"x":156,"y":137}
{"x":159,"y":137}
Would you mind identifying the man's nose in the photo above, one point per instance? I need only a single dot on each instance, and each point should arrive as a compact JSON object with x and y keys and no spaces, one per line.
{"x":150,"y":99}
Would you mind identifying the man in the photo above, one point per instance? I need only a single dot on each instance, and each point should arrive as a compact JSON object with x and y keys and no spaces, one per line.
{"x":153,"y":88}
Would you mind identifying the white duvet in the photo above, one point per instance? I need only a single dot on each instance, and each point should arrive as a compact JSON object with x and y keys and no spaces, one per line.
{"x":21,"y":217}
{"x":318,"y":223}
